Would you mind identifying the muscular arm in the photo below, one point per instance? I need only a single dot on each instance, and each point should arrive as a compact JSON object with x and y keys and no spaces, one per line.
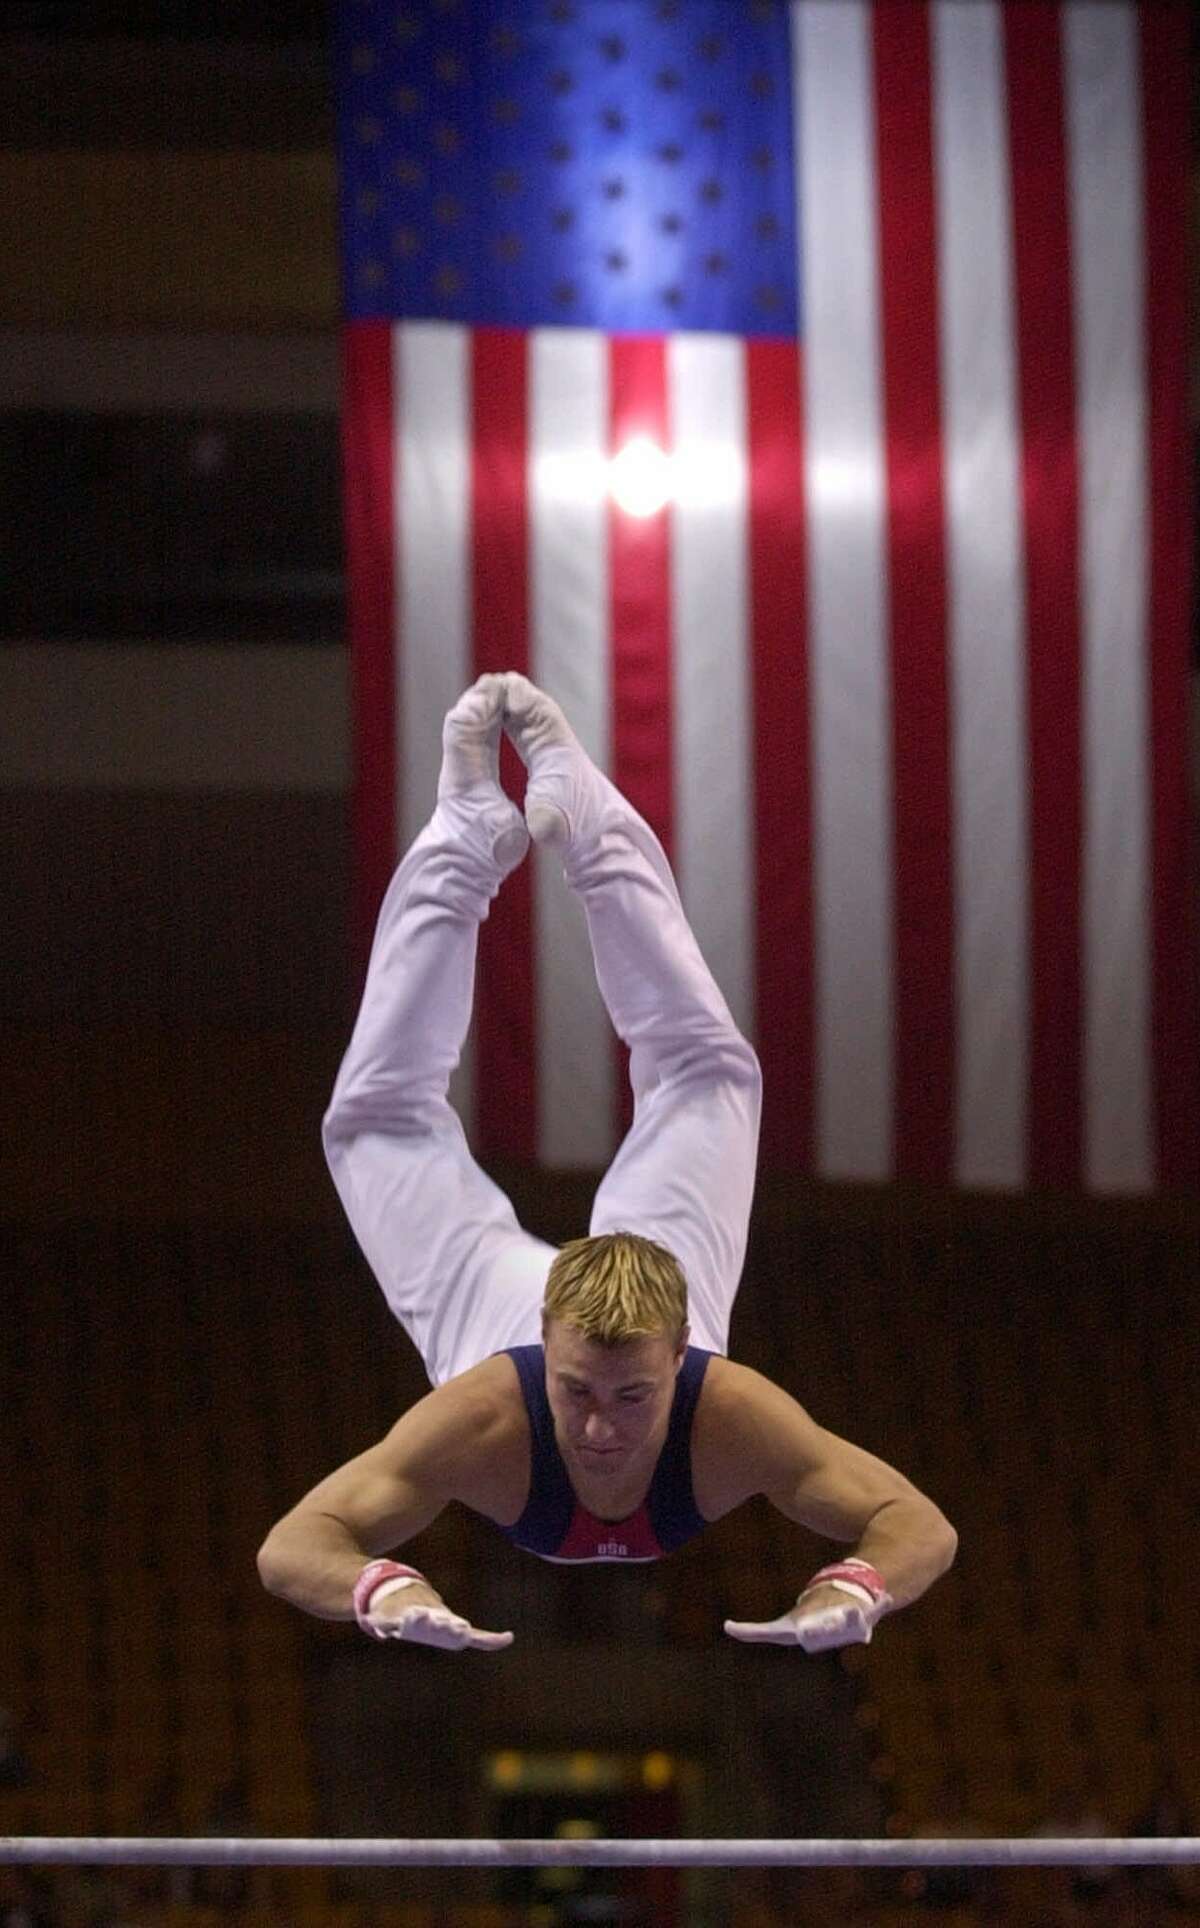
{"x":377,"y":1501}
{"x":835,"y":1488}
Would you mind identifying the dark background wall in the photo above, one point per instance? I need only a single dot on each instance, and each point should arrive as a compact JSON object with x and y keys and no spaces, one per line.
{"x":191,"y":1337}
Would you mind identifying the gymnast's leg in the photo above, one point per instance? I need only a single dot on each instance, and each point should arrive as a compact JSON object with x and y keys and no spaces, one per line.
{"x":684,"y":1175}
{"x":457,"y":1270}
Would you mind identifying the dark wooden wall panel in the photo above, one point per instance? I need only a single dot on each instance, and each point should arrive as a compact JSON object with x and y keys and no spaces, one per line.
{"x":200,"y":909}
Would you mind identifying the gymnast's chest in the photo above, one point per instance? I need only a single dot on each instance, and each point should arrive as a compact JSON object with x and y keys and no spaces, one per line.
{"x":591,"y":1538}
{"x":504,"y":1487}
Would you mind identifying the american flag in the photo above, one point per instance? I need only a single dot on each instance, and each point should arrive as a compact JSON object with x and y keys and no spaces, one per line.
{"x":797,"y":392}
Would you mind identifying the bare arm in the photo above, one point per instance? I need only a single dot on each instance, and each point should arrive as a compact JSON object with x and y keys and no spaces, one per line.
{"x":844,"y":1493}
{"x":372,"y":1505}
{"x":376,"y":1502}
{"x":838,"y":1490}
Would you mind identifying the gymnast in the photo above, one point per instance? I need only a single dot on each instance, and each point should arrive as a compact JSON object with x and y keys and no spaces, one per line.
{"x":582,"y":1400}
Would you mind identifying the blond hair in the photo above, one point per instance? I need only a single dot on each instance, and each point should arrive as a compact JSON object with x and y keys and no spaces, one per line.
{"x":617,"y":1287}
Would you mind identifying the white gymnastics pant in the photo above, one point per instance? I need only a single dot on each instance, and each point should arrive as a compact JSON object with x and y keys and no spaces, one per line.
{"x":461,"y":1275}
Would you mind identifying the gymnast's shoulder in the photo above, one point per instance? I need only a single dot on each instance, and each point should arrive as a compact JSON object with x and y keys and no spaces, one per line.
{"x":736,"y":1431}
{"x":485,"y":1399}
{"x":482,"y":1418}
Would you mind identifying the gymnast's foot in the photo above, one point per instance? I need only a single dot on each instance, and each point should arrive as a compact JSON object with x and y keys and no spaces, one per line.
{"x":566,"y":793}
{"x":471,"y":767}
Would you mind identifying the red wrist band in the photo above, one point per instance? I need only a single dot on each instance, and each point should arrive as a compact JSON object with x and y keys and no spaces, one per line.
{"x":372,"y":1576}
{"x":856,"y":1573}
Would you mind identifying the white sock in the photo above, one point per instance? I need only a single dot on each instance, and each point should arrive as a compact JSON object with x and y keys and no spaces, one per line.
{"x":471,"y":738}
{"x":471,"y":764}
{"x":558,"y":765}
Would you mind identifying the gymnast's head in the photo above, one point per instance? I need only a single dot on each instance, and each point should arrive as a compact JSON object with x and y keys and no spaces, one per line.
{"x":614,"y":1325}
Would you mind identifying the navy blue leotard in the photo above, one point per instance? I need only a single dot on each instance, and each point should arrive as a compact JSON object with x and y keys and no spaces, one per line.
{"x":556,"y":1527}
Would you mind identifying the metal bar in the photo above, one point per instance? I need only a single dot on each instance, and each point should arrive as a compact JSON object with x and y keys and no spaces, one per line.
{"x":370,"y":1852}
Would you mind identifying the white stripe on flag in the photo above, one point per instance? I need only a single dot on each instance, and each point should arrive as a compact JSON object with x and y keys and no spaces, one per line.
{"x":1105,"y":171}
{"x":986,"y":599}
{"x":852,"y":783}
{"x":433,"y":562}
{"x":713,"y":781}
{"x":569,"y":657}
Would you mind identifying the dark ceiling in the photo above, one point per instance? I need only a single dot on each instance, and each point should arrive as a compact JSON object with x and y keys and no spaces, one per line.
{"x":278,"y":22}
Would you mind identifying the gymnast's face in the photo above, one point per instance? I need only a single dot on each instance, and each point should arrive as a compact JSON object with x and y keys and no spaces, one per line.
{"x":611,"y":1404}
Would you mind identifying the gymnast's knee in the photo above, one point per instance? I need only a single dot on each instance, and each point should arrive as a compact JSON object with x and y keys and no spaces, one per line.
{"x":722,"y":1057}
{"x":387,"y":1107}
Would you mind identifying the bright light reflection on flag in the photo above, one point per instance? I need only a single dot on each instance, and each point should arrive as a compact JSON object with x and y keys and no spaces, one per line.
{"x":640,"y":478}
{"x":643,"y":479}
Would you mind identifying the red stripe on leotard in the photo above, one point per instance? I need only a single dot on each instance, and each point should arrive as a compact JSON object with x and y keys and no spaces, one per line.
{"x":591,"y":1539}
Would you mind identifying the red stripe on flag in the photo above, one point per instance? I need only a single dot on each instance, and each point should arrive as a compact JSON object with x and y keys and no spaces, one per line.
{"x":640,"y":625}
{"x":368,"y":503}
{"x":1050,"y":487}
{"x":506,"y":1032}
{"x":782,"y":773}
{"x":924,"y":915}
{"x":1165,"y":116}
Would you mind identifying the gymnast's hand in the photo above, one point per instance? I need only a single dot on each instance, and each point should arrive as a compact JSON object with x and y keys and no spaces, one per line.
{"x":822,"y":1618}
{"x":422,"y":1616}
{"x":397,"y":1603}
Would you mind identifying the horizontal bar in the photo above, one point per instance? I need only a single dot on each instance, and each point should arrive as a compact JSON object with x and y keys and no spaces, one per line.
{"x":371,"y":1852}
